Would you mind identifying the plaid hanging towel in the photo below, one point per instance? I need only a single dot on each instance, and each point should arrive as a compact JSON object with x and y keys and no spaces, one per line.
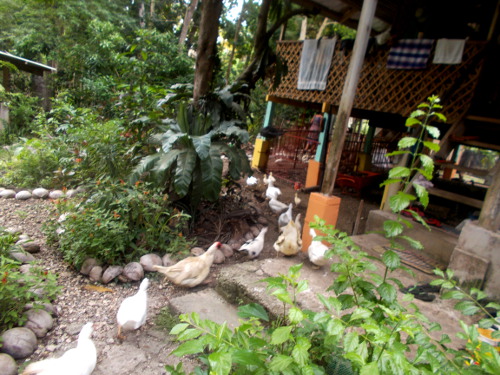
{"x":410,"y":54}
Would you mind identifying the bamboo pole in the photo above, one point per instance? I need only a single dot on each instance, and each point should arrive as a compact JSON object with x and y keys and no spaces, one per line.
{"x":347,"y":99}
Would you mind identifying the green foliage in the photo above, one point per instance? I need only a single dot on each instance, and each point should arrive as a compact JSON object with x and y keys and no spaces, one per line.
{"x":189,"y":158}
{"x":22,"y":112}
{"x":117,"y":224}
{"x":18,"y":289}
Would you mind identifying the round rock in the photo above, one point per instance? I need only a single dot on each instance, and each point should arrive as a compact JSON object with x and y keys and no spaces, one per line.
{"x":22,"y":256}
{"x":133,"y":271}
{"x":255,"y":230}
{"x":8,"y":365}
{"x":40,"y":193}
{"x":87,"y":265}
{"x":219,"y":257}
{"x":39,"y":321}
{"x":8,"y":193}
{"x":149,"y":260}
{"x":166,"y":260}
{"x":23,"y":195}
{"x":71,"y":193}
{"x":110,"y":273}
{"x":31,"y":247}
{"x":19,"y":342}
{"x":227,"y":250}
{"x":95,"y":273}
{"x":56,"y":194}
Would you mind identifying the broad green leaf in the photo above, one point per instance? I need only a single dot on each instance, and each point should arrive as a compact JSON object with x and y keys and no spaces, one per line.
{"x":335,"y":327}
{"x":493,"y":305}
{"x":178,"y":328}
{"x":281,"y":335}
{"x":220,"y":363}
{"x":412,"y":121}
{"x":467,"y":307}
{"x":387,"y":291}
{"x":188,"y":334}
{"x":331,"y":303}
{"x":391,"y":259}
{"x":397,"y":152}
{"x":182,"y":119}
{"x":440,"y":116}
{"x":453,"y":294}
{"x":280,"y":363}
{"x":147,"y":163}
{"x":360,"y":313}
{"x":433,"y":131}
{"x":202,"y":145}
{"x":406,"y":142}
{"x":393,"y":228}
{"x":369,"y":369}
{"x":283,"y":296}
{"x":300,"y":350}
{"x":423,"y":105}
{"x":417,"y":113}
{"x":186,"y":162}
{"x":211,"y":170}
{"x":422,"y":194}
{"x":400,"y":201}
{"x":413,"y":242}
{"x":431,"y":146}
{"x":351,"y":341}
{"x":390,"y":181}
{"x":189,"y":347}
{"x":295,"y":315}
{"x":399,"y":172}
{"x":144,"y":55}
{"x":253,"y":310}
{"x":247,"y":358}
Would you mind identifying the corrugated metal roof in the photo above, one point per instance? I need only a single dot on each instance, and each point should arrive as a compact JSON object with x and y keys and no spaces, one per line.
{"x":25,"y":64}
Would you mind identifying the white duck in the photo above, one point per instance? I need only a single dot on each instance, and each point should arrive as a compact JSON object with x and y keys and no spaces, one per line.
{"x":254,"y":247}
{"x":296,"y":199}
{"x":267,"y":179}
{"x":77,"y":361}
{"x":289,"y":241}
{"x":277,"y":206}
{"x":190,"y":271}
{"x":316,"y":251}
{"x":285,"y":217}
{"x":133,"y":310}
{"x":252,"y":181}
{"x":272,"y":191}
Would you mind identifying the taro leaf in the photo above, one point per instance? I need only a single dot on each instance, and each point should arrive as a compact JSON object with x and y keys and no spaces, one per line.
{"x":391,"y":259}
{"x":399,"y":172}
{"x":211,"y":170}
{"x":406,"y":142}
{"x":166,"y":160}
{"x":220,"y":363}
{"x":146,"y":164}
{"x":400,"y":201}
{"x":229,"y":128}
{"x":169,"y":139}
{"x":186,"y":161}
{"x":393,"y":228}
{"x":431,"y":146}
{"x":253,"y":310}
{"x":202,"y":145}
{"x":422,"y":194}
{"x":183,"y":119}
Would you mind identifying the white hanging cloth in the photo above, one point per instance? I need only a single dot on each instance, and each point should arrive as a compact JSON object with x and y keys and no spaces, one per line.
{"x":315,"y":63}
{"x":449,"y":51}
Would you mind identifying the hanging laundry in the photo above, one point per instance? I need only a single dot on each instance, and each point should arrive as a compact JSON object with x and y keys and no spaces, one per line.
{"x":315,"y":63}
{"x":410,"y":54}
{"x":449,"y":51}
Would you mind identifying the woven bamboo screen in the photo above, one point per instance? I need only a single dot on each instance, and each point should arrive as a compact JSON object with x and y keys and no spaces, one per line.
{"x":389,"y":90}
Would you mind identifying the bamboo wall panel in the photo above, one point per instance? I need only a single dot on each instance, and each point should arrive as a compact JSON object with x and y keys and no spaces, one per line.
{"x":389,"y":90}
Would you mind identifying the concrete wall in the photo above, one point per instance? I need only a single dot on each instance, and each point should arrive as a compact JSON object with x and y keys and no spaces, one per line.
{"x":437,"y":243}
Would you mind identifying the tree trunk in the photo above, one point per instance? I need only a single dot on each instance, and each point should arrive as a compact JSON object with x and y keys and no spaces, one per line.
{"x":187,"y":21}
{"x":235,"y":40}
{"x":322,"y":28}
{"x":207,"y":43}
{"x":142,"y":11}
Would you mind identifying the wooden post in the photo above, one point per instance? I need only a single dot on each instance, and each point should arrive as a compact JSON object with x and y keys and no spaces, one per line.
{"x":490,"y":213}
{"x":323,"y":136}
{"x":268,"y":119}
{"x":347,"y":99}
{"x":6,"y":79}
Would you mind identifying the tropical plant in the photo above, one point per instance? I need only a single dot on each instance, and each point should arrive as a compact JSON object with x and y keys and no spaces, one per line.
{"x":189,"y":161}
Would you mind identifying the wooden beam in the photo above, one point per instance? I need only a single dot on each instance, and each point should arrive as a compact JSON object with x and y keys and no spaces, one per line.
{"x":347,"y":99}
{"x":490,"y":213}
{"x":455,"y":197}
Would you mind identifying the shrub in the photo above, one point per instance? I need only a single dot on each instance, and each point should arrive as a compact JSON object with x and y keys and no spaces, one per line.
{"x":119,"y":223}
{"x":17,"y":289}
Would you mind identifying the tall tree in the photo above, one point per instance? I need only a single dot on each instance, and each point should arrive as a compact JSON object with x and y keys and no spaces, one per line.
{"x":187,"y":21}
{"x":207,"y":47}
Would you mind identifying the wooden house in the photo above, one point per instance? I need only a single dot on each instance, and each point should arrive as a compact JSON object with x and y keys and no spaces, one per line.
{"x":360,"y":84}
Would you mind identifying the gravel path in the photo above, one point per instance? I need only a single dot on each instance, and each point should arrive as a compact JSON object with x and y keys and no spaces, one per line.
{"x":146,"y":351}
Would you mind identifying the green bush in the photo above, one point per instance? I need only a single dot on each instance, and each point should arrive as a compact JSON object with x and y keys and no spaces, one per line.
{"x":22,"y":112}
{"x":18,"y":289}
{"x":117,"y":224}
